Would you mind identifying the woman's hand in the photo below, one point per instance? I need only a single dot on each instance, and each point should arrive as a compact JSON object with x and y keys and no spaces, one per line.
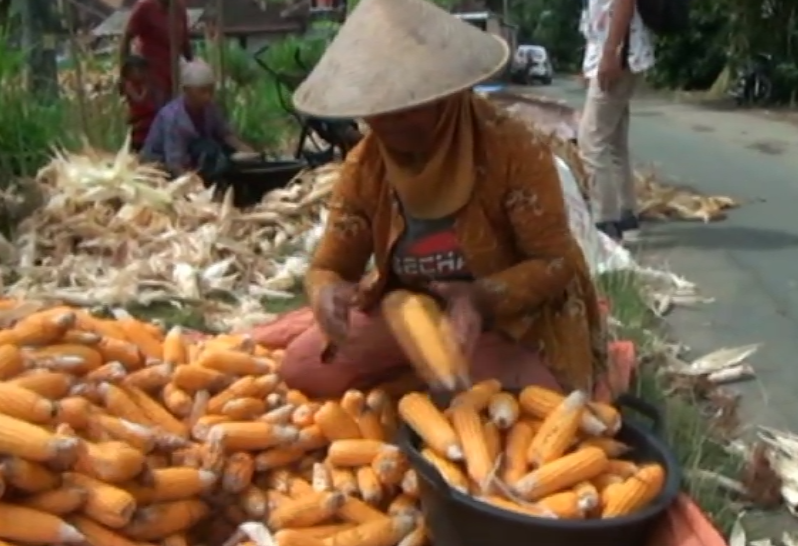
{"x":332,"y":307}
{"x":464,"y":309}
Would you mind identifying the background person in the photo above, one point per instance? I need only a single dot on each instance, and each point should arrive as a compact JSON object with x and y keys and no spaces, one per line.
{"x":190,"y":133}
{"x":619,"y":48}
{"x":149,"y":25}
{"x":141,"y":97}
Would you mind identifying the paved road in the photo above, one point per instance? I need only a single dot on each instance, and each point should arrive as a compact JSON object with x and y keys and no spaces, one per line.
{"x":748,"y":262}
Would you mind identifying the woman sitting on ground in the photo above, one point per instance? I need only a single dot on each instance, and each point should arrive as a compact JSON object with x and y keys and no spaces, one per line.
{"x":451,"y":197}
{"x":190,"y":132}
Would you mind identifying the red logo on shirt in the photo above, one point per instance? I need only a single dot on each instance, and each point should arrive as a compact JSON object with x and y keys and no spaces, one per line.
{"x":433,"y":256}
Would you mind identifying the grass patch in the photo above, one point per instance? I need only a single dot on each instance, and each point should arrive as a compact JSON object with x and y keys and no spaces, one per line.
{"x":686,"y":428}
{"x":193,"y":318}
{"x":170,"y":315}
{"x":283,"y":306}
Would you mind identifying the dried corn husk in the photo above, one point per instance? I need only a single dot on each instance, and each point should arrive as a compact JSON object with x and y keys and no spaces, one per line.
{"x":113,"y":231}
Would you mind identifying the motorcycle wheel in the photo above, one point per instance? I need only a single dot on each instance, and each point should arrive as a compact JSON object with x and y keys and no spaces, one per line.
{"x":764,"y":90}
{"x":737,"y":91}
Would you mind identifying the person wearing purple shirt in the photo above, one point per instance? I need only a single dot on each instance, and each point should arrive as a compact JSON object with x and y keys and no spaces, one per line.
{"x":190,"y":132}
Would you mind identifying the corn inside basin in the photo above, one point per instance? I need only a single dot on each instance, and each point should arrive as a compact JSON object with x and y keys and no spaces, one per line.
{"x":455,"y":519}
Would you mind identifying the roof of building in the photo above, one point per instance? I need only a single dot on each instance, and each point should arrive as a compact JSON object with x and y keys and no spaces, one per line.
{"x":242,"y":16}
{"x":115,"y":23}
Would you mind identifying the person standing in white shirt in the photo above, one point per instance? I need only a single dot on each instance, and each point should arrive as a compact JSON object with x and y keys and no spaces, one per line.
{"x":619,"y":49}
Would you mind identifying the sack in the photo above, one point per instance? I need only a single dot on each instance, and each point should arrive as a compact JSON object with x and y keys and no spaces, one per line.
{"x":664,"y":17}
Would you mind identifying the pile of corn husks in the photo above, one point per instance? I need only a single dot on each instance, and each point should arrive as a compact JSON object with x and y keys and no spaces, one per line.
{"x":657,"y":200}
{"x":113,"y":231}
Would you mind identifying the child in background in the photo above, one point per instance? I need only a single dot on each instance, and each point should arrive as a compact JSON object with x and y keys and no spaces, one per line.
{"x":142,"y":103}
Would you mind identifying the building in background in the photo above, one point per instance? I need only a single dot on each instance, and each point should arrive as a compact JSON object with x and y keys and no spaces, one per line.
{"x":250,"y":23}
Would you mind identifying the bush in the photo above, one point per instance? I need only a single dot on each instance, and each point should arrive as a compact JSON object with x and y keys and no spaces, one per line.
{"x":28,"y":128}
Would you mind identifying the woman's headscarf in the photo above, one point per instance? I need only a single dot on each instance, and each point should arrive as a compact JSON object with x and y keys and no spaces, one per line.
{"x":446,"y":180}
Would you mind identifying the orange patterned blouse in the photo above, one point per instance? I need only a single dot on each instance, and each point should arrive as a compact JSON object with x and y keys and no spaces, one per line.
{"x":513,"y":235}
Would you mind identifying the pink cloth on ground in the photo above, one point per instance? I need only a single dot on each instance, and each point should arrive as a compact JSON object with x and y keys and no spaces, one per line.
{"x":375,"y":353}
{"x":372,"y":355}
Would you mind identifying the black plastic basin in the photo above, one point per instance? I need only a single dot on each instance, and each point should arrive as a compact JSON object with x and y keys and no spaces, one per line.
{"x":455,"y":519}
{"x":251,"y":181}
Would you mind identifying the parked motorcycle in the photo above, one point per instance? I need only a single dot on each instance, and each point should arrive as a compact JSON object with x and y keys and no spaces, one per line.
{"x":752,"y":84}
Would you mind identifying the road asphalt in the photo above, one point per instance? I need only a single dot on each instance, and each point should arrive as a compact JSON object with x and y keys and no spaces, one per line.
{"x":747,"y":262}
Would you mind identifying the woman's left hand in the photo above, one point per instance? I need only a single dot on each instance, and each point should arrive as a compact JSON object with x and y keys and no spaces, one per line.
{"x":464,"y":311}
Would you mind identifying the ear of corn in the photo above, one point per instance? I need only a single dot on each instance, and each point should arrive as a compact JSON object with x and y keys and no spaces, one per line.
{"x":515,"y":464}
{"x":557,"y":432}
{"x":448,"y":470}
{"x":422,"y":331}
{"x":30,"y":525}
{"x":468,"y":426}
{"x":633,"y":493}
{"x":539,"y":402}
{"x":562,"y":473}
{"x":336,"y":423}
{"x":503,"y":410}
{"x":64,"y":500}
{"x":115,"y":433}
{"x":355,"y":453}
{"x":423,"y":417}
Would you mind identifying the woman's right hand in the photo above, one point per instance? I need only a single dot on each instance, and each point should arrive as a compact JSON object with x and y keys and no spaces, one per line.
{"x":333,"y":305}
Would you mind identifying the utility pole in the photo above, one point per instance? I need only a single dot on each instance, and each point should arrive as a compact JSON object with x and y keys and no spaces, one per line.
{"x":174,"y":45}
{"x":40,"y":39}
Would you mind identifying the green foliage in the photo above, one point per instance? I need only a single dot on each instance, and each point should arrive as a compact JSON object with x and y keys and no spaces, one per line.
{"x":26,"y":126}
{"x":553,"y":24}
{"x":726,"y":33}
{"x":259,"y":106}
{"x":679,"y":64}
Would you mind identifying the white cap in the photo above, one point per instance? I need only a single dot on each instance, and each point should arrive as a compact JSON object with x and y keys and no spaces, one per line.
{"x":196,"y":73}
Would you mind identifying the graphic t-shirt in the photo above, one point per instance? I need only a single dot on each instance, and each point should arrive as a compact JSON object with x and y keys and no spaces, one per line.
{"x":595,"y":26}
{"x":428,"y":250}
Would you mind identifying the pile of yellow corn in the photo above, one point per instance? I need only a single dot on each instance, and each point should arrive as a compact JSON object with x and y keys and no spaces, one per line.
{"x":115,"y":433}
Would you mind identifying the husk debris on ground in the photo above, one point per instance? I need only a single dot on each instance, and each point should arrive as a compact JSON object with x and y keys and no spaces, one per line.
{"x":113,"y":231}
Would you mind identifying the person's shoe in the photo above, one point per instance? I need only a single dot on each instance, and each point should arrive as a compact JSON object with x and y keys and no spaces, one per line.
{"x":611,"y":230}
{"x":629,"y":226}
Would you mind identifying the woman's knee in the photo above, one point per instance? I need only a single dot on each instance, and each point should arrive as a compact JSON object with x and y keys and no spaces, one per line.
{"x":369,"y":355}
{"x":302,"y":368}
{"x":514,"y":365}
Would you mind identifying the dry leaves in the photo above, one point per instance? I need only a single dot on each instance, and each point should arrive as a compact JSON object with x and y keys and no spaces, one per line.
{"x":780,"y":449}
{"x":660,"y":202}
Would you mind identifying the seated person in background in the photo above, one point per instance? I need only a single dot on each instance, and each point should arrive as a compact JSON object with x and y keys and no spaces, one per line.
{"x":190,"y":132}
{"x":451,"y":197}
{"x":141,"y":97}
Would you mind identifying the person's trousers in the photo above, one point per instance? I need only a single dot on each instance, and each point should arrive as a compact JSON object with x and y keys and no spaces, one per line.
{"x":604,"y":147}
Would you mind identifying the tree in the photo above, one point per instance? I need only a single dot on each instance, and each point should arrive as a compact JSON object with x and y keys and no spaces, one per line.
{"x":727,"y":33}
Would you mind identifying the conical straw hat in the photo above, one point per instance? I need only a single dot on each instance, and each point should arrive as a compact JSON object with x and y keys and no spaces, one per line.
{"x":395,"y":54}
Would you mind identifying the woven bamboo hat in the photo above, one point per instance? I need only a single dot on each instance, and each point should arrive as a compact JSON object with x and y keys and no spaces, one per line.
{"x":395,"y":54}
